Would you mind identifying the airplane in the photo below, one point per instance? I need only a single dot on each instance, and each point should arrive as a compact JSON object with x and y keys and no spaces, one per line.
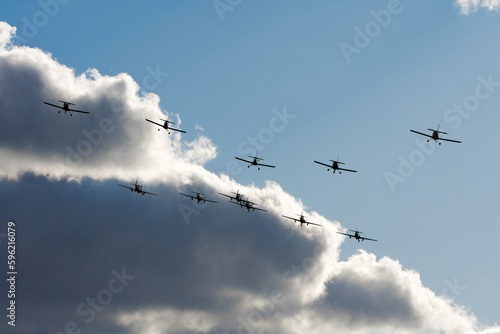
{"x":335,"y":166}
{"x":357,"y":235}
{"x":254,"y":162}
{"x":199,"y":197}
{"x":248,"y":205}
{"x":435,"y":135}
{"x":66,"y":107}
{"x":165,"y":125}
{"x":137,"y":188}
{"x":301,"y":220}
{"x":238,"y":198}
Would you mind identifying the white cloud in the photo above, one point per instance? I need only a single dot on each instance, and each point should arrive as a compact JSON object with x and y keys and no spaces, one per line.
{"x":6,"y":34}
{"x":236,"y":271}
{"x":471,"y":6}
{"x":113,"y":141}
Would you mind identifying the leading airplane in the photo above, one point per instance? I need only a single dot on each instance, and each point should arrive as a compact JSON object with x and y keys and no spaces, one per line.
{"x":199,"y":197}
{"x":435,"y":135}
{"x":248,"y":205}
{"x":137,"y":188}
{"x":165,"y":125}
{"x":66,"y":107}
{"x":356,"y":235}
{"x":238,"y":197}
{"x":335,"y":166}
{"x":254,"y":162}
{"x":301,"y":220}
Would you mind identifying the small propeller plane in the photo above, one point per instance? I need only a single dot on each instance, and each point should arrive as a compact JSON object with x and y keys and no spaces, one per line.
{"x":335,"y":166}
{"x":165,"y":125}
{"x":137,"y":188}
{"x":357,"y":235}
{"x":435,"y":135}
{"x":199,"y":197}
{"x":302,"y":220}
{"x":255,"y":162}
{"x":66,"y":107}
{"x":238,"y":197}
{"x":248,"y":205}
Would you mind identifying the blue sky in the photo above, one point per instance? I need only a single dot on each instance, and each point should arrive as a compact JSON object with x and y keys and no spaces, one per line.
{"x":231,"y":76}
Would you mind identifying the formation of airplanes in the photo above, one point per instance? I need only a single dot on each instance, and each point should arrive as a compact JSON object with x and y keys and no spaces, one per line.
{"x":247,"y":204}
{"x":238,"y":198}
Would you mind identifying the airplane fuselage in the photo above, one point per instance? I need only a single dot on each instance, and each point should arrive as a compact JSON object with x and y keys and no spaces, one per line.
{"x":335,"y":166}
{"x":302,"y":220}
{"x":199,"y":198}
{"x":138,"y":189}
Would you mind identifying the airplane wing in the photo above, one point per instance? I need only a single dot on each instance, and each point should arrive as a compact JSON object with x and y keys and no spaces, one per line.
{"x":249,"y":162}
{"x":420,"y":133}
{"x":53,"y":105}
{"x":192,"y":197}
{"x":294,"y":219}
{"x":322,"y":164}
{"x":453,"y":141}
{"x":149,"y":193}
{"x":207,"y":200}
{"x":228,"y":196}
{"x":177,"y":130}
{"x":367,"y":239}
{"x":254,"y":208}
{"x":349,"y":235}
{"x":263,"y":165}
{"x":80,"y":111}
{"x":150,"y":121}
{"x":121,"y":185}
{"x":312,"y":224}
{"x":348,"y":170}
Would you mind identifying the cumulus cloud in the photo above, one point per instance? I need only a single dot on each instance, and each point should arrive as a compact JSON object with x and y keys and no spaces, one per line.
{"x":471,"y":6}
{"x":211,"y":268}
{"x":113,"y":141}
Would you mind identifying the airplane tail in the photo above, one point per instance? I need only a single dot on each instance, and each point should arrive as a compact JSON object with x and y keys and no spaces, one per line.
{"x":167,"y":120}
{"x":444,"y":133}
